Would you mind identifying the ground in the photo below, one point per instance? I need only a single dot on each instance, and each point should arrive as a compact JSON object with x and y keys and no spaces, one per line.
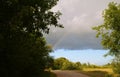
{"x":60,"y":73}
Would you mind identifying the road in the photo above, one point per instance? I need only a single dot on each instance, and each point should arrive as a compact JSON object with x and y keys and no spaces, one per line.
{"x":60,"y":73}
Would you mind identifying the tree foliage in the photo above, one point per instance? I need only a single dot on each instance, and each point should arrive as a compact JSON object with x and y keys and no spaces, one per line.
{"x":64,"y":64}
{"x":116,"y":64}
{"x":58,"y":63}
{"x":110,"y":33}
{"x":30,"y":16}
{"x":23,"y":49}
{"x":110,"y":29}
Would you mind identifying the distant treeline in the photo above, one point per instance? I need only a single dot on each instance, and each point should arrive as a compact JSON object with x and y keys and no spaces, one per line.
{"x":64,"y":64}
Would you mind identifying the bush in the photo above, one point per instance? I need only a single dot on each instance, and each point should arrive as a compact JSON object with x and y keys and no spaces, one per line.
{"x":109,"y":75}
{"x":64,"y":64}
{"x":116,"y":64}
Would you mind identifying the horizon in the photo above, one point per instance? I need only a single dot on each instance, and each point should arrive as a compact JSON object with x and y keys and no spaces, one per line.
{"x":95,"y":57}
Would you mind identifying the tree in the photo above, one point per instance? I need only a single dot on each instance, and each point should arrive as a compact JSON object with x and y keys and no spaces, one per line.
{"x":78,"y":66}
{"x":64,"y":64}
{"x":110,"y":32}
{"x":67,"y":65}
{"x":116,"y":64}
{"x":23,"y":49}
{"x":110,"y":29}
{"x":58,"y":63}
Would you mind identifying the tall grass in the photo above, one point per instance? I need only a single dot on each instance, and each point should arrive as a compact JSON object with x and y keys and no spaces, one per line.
{"x":97,"y":72}
{"x":108,"y":70}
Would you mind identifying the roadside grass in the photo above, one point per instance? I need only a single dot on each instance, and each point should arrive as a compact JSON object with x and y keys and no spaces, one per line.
{"x":47,"y":74}
{"x":109,"y":70}
{"x":97,"y":72}
{"x":94,"y":73}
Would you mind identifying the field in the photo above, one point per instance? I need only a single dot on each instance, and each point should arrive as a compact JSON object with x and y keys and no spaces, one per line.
{"x":97,"y":72}
{"x":109,"y":70}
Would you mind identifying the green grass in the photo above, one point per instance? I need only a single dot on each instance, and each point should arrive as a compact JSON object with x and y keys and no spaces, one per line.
{"x":97,"y":72}
{"x":108,"y":70}
{"x":94,"y":73}
{"x":47,"y":74}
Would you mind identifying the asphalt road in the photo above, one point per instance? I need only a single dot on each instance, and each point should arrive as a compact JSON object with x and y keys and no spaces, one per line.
{"x":60,"y":73}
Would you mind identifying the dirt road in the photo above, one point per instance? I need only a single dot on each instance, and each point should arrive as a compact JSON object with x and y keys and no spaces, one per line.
{"x":68,"y":74}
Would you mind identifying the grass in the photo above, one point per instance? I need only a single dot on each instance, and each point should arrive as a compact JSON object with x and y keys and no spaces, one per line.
{"x":97,"y":72}
{"x":109,"y":70}
{"x":47,"y":74}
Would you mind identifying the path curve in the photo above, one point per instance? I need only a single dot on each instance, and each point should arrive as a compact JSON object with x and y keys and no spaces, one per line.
{"x":60,"y":73}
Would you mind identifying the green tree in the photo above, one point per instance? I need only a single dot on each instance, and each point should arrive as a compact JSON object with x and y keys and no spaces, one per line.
{"x":78,"y":66}
{"x":23,"y":49}
{"x":110,"y":31}
{"x":58,"y":63}
{"x":84,"y":65}
{"x":64,"y":64}
{"x":67,"y":65}
{"x":116,"y":64}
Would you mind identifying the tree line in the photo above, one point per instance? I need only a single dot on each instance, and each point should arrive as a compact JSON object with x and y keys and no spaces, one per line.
{"x":64,"y":64}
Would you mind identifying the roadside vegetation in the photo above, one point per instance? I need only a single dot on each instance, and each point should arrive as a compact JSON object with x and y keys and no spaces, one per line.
{"x":64,"y":64}
{"x":85,"y":68}
{"x":97,"y":72}
{"x":47,"y":74}
{"x":24,"y":51}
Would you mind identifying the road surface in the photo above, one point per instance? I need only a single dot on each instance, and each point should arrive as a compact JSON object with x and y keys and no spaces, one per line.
{"x":60,"y":73}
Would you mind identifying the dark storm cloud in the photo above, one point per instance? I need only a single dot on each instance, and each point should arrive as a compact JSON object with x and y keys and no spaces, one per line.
{"x":74,"y":41}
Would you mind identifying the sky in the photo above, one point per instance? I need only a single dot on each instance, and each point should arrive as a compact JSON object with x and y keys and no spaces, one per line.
{"x":84,"y":56}
{"x":78,"y":17}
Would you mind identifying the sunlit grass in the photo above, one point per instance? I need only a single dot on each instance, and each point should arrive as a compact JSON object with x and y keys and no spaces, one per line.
{"x":108,"y":70}
{"x":97,"y":72}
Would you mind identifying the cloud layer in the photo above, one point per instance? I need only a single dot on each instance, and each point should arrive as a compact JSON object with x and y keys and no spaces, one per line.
{"x":78,"y":18}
